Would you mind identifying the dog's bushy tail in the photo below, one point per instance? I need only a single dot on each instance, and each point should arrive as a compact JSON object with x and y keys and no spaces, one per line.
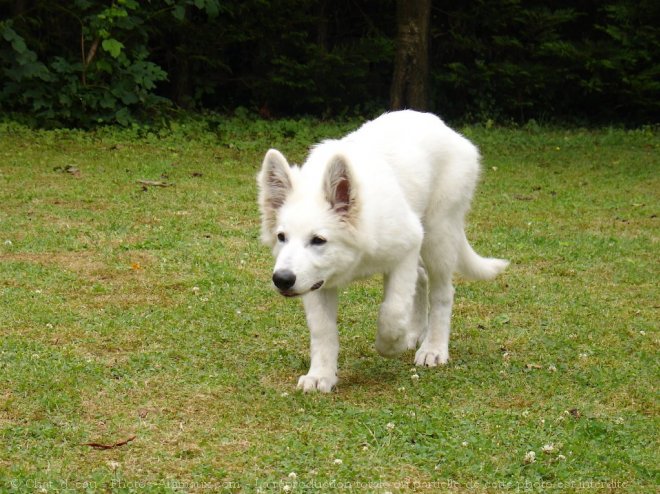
{"x":474,"y":267}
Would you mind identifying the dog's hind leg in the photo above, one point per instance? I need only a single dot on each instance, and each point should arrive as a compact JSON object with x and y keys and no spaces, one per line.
{"x":420,"y":315}
{"x":396,"y":310}
{"x":434,"y":349}
{"x":440,"y":257}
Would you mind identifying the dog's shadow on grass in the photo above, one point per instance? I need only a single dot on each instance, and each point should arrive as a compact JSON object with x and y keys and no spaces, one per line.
{"x":375,"y":373}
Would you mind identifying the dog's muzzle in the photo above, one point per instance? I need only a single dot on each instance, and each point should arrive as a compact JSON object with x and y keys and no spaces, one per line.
{"x":284,"y":279}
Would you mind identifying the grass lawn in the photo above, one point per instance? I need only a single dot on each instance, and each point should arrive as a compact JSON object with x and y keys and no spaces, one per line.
{"x":144,"y":315}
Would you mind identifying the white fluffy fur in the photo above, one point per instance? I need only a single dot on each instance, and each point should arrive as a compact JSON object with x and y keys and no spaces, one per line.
{"x":388,"y":198}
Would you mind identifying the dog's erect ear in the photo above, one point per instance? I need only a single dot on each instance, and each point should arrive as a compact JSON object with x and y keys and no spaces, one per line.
{"x":339,"y":188}
{"x":275,"y":183}
{"x":275,"y":179}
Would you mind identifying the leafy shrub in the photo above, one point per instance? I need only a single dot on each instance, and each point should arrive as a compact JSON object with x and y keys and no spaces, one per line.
{"x":98,"y":72}
{"x":593,"y":61}
{"x":125,"y":61}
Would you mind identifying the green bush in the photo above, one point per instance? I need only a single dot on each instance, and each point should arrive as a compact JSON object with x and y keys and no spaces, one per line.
{"x":94,"y":68}
{"x":87,"y":62}
{"x":507,"y":59}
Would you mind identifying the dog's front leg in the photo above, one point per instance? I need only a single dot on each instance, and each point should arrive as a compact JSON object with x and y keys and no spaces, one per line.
{"x":321,"y":312}
{"x":394,"y":319}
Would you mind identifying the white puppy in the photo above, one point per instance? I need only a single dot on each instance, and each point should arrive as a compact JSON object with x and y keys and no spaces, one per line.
{"x":388,"y":198}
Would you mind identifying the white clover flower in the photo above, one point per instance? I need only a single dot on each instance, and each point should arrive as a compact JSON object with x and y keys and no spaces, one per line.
{"x":293,"y":475}
{"x":464,"y":444}
{"x":338,"y":461}
{"x":390,"y":426}
{"x":415,"y":377}
{"x":552,"y":368}
{"x":561,"y":457}
{"x":286,"y":488}
{"x":530,"y":457}
{"x":548,"y":448}
{"x":284,"y":395}
{"x":195,"y":290}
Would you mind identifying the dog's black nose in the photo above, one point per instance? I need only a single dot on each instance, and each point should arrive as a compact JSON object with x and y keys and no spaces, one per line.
{"x":284,"y":279}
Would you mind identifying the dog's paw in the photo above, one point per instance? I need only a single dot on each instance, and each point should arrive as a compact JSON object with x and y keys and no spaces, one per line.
{"x":411,"y":342}
{"x":391,"y":347}
{"x":431,"y":357}
{"x":415,"y":339}
{"x":309,"y":383}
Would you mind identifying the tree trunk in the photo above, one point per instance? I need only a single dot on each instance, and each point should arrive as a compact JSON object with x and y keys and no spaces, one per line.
{"x":410,"y":84}
{"x":322,"y":26}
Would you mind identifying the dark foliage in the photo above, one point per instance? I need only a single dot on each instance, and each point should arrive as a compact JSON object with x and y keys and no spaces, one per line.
{"x":86,"y":62}
{"x":587,"y":60}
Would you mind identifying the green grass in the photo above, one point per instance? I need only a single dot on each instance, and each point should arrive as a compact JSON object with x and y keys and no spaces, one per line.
{"x":148,"y":313}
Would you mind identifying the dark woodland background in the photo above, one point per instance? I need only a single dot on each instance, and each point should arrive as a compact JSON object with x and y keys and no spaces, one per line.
{"x":88,"y":62}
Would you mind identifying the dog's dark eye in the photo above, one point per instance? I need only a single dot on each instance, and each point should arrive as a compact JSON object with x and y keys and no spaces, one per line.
{"x":281,"y":237}
{"x":316,"y":240}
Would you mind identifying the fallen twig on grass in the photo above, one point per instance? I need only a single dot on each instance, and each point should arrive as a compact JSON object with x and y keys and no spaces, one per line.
{"x":109,"y":446}
{"x":73,"y":170}
{"x":154,"y":183}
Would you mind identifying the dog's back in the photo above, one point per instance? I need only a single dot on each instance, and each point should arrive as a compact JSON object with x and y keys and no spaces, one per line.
{"x":432,"y":165}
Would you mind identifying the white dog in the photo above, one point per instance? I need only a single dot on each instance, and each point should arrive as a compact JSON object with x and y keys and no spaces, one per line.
{"x":388,"y":198}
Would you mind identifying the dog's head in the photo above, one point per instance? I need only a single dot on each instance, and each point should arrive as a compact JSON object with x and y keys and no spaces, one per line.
{"x":309,"y":223}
